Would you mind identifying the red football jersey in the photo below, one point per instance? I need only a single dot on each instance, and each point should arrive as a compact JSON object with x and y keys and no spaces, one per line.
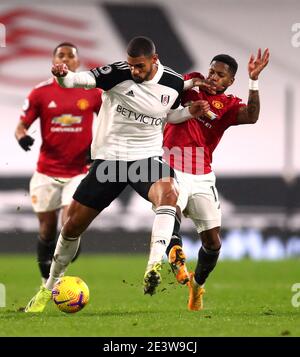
{"x":190,"y":145}
{"x":66,"y":119}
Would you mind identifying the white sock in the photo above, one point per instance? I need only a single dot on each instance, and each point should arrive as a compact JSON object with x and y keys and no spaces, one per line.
{"x":161,"y":233}
{"x":44,"y":280}
{"x":65,"y":251}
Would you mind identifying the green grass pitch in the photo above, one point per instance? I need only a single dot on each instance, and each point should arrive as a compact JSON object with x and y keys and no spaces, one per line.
{"x":243,"y":298}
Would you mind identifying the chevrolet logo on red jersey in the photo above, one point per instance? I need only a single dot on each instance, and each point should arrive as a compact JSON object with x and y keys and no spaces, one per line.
{"x":66,"y":120}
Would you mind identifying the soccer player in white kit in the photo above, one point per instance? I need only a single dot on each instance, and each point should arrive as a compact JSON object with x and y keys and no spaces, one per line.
{"x":139,"y":96}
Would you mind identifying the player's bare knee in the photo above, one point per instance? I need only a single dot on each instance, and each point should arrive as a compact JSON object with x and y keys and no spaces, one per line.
{"x":47,"y":225}
{"x":213,"y":244}
{"x":172,"y":196}
{"x":47,"y":231}
{"x":211,"y":239}
{"x":169,"y":196}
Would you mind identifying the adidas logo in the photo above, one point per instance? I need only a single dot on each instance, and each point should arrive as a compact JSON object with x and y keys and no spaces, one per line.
{"x":161,"y":241}
{"x":52,"y":104}
{"x":130,"y":93}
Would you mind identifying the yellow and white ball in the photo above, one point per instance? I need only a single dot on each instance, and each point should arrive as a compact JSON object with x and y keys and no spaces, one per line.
{"x":70,"y":294}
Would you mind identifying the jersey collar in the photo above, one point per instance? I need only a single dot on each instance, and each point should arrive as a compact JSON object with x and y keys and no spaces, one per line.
{"x":158,"y":74}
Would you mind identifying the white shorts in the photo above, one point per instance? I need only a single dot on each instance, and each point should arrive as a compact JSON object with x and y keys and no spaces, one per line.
{"x":198,"y":199}
{"x":49,"y":193}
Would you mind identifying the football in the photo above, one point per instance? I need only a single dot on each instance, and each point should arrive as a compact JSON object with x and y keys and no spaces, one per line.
{"x":70,"y":294}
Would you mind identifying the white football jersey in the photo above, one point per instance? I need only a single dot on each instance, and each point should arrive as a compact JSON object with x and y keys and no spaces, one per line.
{"x":130,"y":122}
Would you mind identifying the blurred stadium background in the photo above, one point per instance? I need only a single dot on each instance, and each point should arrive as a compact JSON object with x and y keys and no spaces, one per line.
{"x":257,"y":166}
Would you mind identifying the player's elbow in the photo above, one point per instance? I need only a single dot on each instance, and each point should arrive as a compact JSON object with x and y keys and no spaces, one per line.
{"x":252,"y":120}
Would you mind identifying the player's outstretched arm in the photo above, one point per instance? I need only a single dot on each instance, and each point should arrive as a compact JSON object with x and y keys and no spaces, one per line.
{"x":249,"y":114}
{"x":196,"y":109}
{"x":202,"y":83}
{"x":69,"y":79}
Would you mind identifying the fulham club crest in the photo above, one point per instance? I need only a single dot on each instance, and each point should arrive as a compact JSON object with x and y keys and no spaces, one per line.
{"x":165,"y":99}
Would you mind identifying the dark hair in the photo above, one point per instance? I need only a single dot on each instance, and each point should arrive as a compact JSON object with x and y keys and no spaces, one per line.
{"x":64,"y":44}
{"x":230,"y":61}
{"x":141,"y":46}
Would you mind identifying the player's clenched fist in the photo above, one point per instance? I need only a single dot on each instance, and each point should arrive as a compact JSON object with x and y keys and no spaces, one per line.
{"x":199,"y":108}
{"x":59,"y":70}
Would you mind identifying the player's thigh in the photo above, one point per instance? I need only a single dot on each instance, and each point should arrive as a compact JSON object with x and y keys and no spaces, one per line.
{"x":143,"y":174}
{"x":185,"y":184}
{"x":204,"y":209}
{"x":96,"y":193}
{"x":45,"y":193}
{"x":69,"y":189}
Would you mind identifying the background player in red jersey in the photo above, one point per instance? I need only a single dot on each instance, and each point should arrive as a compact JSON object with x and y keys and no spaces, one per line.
{"x":196,"y":140}
{"x":66,"y":118}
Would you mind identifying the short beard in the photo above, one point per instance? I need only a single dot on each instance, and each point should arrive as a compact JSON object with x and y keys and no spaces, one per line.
{"x":138,"y":80}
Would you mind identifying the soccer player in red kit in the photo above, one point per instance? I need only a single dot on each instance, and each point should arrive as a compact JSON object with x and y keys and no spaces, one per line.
{"x":66,"y":119}
{"x":195,"y":140}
